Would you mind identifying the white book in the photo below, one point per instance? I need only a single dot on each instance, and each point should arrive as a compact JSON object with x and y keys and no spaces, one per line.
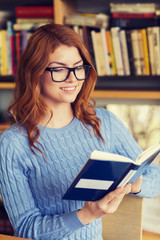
{"x":125,"y":52}
{"x":99,"y":53}
{"x":136,"y":52}
{"x":133,"y":7}
{"x":150,"y":38}
{"x":141,"y":51}
{"x":156,"y":37}
{"x":117,"y":50}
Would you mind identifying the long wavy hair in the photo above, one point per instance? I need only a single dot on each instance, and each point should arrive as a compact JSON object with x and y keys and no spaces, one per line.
{"x":28,"y":105}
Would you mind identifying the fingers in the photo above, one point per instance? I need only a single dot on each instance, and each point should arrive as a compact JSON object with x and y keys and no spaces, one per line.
{"x":136,"y":187}
{"x":111,"y":201}
{"x":121,"y":190}
{"x":106,"y":205}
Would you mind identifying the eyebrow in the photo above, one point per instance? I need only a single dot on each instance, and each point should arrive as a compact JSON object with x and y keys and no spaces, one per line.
{"x":63,"y":64}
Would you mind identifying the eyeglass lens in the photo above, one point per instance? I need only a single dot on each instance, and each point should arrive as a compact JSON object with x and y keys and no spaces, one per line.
{"x":62,"y":73}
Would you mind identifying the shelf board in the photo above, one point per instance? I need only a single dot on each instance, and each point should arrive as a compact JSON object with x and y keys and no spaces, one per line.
{"x":7,"y":85}
{"x":117,"y":87}
{"x":116,"y":94}
{"x":130,"y":83}
{"x":4,"y":126}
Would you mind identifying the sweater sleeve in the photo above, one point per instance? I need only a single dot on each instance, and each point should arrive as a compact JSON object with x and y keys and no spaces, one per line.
{"x":124,"y":144}
{"x":25,"y":216}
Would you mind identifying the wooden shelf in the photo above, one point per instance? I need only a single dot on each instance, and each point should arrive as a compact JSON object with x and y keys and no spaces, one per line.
{"x":4,"y":126}
{"x":116,"y":94}
{"x":8,"y":85}
{"x":150,"y":236}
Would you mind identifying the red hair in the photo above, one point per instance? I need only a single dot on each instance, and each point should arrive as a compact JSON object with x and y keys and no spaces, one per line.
{"x":28,"y":103}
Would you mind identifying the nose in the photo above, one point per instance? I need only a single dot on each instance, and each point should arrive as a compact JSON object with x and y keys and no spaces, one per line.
{"x":71,"y":76}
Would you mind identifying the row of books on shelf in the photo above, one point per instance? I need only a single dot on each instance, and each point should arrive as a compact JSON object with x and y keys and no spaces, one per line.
{"x":114,"y":51}
{"x":123,"y":42}
{"x":12,"y":45}
{"x":15,"y":34}
{"x":31,"y":17}
{"x":118,"y":51}
{"x":128,"y":15}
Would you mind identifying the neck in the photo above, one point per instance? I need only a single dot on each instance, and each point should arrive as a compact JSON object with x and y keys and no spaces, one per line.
{"x":61,"y":117}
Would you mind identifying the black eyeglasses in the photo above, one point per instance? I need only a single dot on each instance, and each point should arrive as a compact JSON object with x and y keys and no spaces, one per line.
{"x":60,"y":74}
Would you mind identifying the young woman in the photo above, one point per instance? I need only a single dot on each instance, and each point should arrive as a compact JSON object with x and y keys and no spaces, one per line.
{"x":57,"y":127}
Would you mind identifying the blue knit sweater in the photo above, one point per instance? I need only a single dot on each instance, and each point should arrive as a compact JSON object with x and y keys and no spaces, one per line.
{"x":32,"y":187}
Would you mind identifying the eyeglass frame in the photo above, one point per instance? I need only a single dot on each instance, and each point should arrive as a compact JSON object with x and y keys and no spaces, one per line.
{"x":69,"y":71}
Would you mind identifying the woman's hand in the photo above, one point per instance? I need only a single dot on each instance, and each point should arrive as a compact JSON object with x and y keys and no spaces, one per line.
{"x":108,"y":204}
{"x":136,"y":187}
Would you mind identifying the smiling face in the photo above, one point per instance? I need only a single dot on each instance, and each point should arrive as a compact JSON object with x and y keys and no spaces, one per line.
{"x":61,"y":93}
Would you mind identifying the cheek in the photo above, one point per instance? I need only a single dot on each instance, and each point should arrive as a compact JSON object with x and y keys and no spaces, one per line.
{"x":45,"y":80}
{"x":81,"y":85}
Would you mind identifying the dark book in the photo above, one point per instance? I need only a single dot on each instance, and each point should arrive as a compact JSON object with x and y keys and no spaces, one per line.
{"x":104,"y":172}
{"x":130,"y":52}
{"x":130,"y":23}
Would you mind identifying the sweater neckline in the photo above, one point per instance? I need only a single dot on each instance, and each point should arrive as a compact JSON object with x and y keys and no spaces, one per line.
{"x":65,"y":128}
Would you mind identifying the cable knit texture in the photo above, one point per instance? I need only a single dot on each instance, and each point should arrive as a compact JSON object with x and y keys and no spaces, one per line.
{"x":32,"y":188}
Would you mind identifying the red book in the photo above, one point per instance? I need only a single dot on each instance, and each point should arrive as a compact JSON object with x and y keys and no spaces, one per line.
{"x":18,"y":47}
{"x":132,"y":15}
{"x":13,"y":54}
{"x":34,"y":11}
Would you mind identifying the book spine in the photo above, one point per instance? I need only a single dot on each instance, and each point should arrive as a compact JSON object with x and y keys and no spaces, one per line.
{"x":23,"y":41}
{"x":156,"y":36}
{"x":26,"y":26}
{"x":34,"y":20}
{"x":133,"y":15}
{"x":106,"y":51}
{"x":93,"y":36}
{"x":85,"y":37}
{"x":18,"y":47}
{"x":4,"y":52}
{"x":141,"y":52}
{"x":145,"y":50}
{"x":151,"y":50}
{"x":87,"y":21}
{"x":136,"y":52}
{"x":130,"y":51}
{"x":9,"y":34}
{"x":129,"y":23}
{"x":34,"y":11}
{"x":117,"y":50}
{"x":110,"y":47}
{"x":133,"y":7}
{"x":99,"y":53}
{"x":13,"y":55}
{"x":124,"y":52}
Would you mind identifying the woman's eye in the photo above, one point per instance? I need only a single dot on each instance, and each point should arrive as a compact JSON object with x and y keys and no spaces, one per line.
{"x":79,"y":68}
{"x":58,"y":69}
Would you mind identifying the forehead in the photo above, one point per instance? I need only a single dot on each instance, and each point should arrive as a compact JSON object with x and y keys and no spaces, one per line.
{"x":65,"y":53}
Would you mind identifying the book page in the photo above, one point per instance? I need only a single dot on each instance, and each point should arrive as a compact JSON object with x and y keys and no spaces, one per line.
{"x":105,"y":156}
{"x":148,"y":153}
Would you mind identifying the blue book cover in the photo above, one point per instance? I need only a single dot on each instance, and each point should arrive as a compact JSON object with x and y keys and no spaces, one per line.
{"x":104,"y":172}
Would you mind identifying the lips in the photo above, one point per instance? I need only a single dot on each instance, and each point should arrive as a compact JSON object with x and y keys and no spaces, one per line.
{"x":68,"y":88}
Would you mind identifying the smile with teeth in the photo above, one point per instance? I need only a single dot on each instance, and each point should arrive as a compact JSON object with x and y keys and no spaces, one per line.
{"x":68,"y":88}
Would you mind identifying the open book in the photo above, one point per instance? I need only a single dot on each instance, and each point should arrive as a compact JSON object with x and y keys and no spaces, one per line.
{"x":104,"y":172}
